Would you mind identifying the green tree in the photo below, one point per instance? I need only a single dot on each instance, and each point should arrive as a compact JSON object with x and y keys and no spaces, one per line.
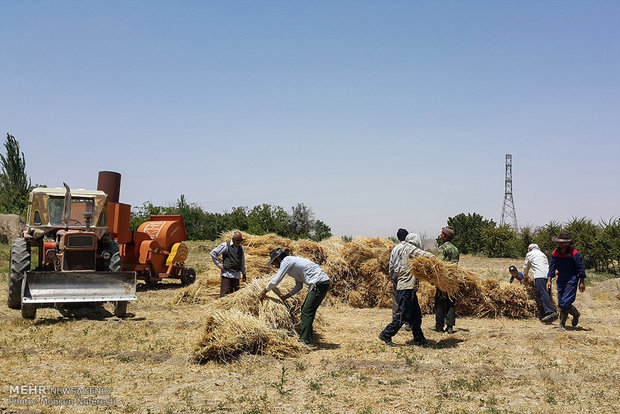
{"x":301,"y":221}
{"x":14,"y":182}
{"x":607,"y":250}
{"x":266,"y":218}
{"x":321,"y":231}
{"x":584,"y":234}
{"x":468,"y":229}
{"x":500,"y":242}
{"x":143,"y":213}
{"x":525,"y":238}
{"x":543,"y":235}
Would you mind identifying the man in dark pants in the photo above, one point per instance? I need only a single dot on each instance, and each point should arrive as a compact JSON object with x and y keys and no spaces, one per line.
{"x":407,"y":287}
{"x":537,"y":261}
{"x":395,"y":257}
{"x":571,"y":275}
{"x":232,"y":265}
{"x":304,"y":272}
{"x":445,"y":310}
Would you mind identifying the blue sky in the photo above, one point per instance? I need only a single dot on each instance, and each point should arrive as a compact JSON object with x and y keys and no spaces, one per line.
{"x":376,"y":114}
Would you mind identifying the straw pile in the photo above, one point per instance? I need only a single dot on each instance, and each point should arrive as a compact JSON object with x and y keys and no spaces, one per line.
{"x":359,"y":271}
{"x":474,"y":296}
{"x":239,"y":323}
{"x":257,"y":250}
{"x":359,"y":274}
{"x":442,"y":275}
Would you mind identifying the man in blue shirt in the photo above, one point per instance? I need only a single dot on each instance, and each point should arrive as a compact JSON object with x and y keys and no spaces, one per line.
{"x":515,"y":274}
{"x":568,"y":264}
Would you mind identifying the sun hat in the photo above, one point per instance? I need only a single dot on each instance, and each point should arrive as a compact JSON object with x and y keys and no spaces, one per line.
{"x":562,"y":238}
{"x":276,"y":254}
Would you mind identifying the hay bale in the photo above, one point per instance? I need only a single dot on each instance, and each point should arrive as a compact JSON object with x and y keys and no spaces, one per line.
{"x":440,"y":274}
{"x":239,"y":323}
{"x":230,"y":333}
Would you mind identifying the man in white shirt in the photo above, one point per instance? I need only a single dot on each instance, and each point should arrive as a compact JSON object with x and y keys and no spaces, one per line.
{"x":232,"y":265}
{"x":395,"y":257}
{"x":538,"y":262}
{"x":304,"y":272}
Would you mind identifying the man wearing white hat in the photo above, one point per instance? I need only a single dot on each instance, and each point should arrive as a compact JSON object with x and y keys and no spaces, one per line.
{"x":537,"y":261}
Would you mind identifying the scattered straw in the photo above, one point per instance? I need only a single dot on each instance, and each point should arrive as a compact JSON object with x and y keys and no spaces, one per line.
{"x":240,"y":323}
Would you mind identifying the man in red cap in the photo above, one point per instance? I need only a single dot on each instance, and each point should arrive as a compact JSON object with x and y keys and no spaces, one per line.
{"x":571,"y":272}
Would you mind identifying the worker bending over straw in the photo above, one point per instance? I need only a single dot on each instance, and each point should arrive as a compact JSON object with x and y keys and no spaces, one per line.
{"x":304,"y":272}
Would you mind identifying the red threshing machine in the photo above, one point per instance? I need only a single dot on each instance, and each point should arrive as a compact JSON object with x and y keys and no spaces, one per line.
{"x":156,"y":250}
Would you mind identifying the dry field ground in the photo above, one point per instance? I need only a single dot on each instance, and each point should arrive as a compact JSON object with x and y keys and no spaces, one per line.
{"x":142,"y":363}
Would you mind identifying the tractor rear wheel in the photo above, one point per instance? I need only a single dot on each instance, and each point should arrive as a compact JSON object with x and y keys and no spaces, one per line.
{"x":120,"y":309}
{"x":19,"y":264}
{"x":189,"y":278}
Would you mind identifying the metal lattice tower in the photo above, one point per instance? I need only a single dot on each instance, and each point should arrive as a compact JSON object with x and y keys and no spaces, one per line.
{"x":509,"y":214}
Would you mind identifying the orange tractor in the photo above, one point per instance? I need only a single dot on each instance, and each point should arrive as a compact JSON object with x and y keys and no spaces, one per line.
{"x":155,"y":250}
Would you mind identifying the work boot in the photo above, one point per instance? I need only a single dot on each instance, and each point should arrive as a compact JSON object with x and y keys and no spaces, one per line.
{"x":420,"y":342}
{"x":575,"y":314}
{"x":563,"y":318}
{"x":550,"y":317}
{"x":388,"y":341}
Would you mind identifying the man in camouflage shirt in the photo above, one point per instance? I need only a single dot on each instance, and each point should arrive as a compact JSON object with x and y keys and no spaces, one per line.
{"x":444,"y":304}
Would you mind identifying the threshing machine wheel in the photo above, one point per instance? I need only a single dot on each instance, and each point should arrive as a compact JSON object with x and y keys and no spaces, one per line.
{"x":189,"y":278}
{"x":19,"y":264}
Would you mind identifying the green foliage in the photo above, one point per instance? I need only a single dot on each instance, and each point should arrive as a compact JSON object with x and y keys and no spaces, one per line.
{"x":262,"y":219}
{"x":599,"y":244}
{"x":321,"y":231}
{"x":501,"y":241}
{"x":469,"y":232}
{"x":606,"y":251}
{"x":14,"y":182}
{"x":266,"y":219}
{"x":301,"y":221}
{"x":584,"y":233}
{"x":542,"y":236}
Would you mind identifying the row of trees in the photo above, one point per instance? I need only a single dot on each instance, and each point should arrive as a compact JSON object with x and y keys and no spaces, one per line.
{"x":598,"y":243}
{"x":262,"y":219}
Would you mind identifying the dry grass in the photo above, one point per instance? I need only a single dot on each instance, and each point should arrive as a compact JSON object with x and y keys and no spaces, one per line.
{"x":240,"y":323}
{"x":146,"y":360}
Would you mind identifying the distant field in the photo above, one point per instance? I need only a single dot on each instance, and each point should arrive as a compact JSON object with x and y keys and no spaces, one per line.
{"x":142,"y":363}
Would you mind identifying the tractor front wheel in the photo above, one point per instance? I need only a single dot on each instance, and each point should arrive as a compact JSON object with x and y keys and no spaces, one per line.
{"x":29,"y":310}
{"x":120,"y":309}
{"x":19,"y":264}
